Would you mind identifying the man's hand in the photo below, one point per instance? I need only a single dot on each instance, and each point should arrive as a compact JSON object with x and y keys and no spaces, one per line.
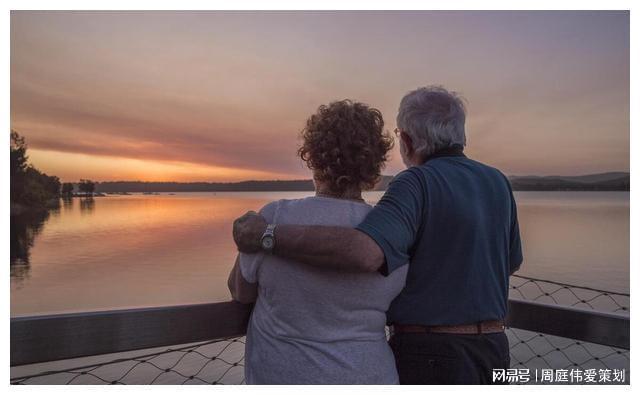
{"x":248,"y":230}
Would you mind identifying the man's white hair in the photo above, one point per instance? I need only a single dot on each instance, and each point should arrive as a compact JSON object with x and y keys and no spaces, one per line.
{"x":434,"y":118}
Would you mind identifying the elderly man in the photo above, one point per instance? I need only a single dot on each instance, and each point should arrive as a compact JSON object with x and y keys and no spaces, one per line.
{"x":453,"y":220}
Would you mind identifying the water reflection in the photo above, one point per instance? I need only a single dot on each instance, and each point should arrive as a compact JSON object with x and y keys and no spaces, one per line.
{"x":140,"y":250}
{"x":87,"y":205}
{"x":67,"y":203}
{"x":24,"y":228}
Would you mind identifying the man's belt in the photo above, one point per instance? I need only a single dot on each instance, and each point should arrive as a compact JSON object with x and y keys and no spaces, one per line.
{"x":466,"y":329}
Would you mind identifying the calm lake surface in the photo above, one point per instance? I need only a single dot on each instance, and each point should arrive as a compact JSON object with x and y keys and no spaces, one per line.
{"x":152,"y":250}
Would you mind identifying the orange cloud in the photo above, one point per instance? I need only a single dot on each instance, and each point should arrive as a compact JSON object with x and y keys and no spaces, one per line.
{"x":223,"y":95}
{"x":73,"y":166}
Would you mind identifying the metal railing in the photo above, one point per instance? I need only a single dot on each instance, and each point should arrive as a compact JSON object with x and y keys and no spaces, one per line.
{"x":538,"y":349}
{"x":551,"y":325}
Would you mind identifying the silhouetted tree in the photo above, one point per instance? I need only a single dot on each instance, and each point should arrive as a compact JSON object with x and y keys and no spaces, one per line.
{"x":87,"y":186}
{"x":29,"y":186}
{"x":67,"y":189}
{"x":32,"y":194}
{"x":18,"y":165}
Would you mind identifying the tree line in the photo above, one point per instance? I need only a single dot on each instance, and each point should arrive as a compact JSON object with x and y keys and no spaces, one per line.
{"x":32,"y":188}
{"x":29,"y":186}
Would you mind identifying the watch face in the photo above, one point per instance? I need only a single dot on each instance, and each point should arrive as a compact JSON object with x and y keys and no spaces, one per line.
{"x":267,"y":243}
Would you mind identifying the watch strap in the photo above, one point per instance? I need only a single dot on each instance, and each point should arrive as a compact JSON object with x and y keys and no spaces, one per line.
{"x":270,"y":230}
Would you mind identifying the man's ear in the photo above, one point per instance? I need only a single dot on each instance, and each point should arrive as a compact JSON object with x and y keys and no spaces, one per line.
{"x":408,"y":143}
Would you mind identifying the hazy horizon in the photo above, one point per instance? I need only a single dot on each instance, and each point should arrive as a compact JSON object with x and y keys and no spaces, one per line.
{"x":170,"y":96}
{"x":302,"y":178}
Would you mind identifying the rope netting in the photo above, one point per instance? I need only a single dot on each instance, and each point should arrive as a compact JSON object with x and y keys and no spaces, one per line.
{"x":538,"y":350}
{"x":221,"y":361}
{"x":211,"y":362}
{"x":553,"y":292}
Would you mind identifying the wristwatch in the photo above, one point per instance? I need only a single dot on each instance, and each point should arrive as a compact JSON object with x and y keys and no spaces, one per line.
{"x":268,"y":240}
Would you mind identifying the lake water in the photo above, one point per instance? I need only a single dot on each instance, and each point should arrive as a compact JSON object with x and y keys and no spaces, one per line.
{"x":153,"y":250}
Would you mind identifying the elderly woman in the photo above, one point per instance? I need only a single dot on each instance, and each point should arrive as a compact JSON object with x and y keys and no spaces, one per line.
{"x":310,"y":325}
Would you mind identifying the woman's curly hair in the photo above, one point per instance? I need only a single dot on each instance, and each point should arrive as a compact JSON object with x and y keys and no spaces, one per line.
{"x":345,"y":145}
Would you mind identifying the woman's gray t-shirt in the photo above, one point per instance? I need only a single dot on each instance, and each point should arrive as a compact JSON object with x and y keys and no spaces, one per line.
{"x":315,"y":326}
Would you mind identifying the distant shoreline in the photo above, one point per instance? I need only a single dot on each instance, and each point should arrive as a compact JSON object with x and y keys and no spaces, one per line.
{"x":613,"y":181}
{"x":310,"y":191}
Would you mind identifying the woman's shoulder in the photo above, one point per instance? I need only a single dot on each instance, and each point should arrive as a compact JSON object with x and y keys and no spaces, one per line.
{"x":315,"y":210}
{"x":324,"y":202}
{"x":271,"y":210}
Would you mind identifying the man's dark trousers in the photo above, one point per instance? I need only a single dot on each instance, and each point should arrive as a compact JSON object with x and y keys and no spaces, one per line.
{"x":442,"y":358}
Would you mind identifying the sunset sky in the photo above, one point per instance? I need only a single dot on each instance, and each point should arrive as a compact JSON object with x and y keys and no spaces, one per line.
{"x":222,"y":96}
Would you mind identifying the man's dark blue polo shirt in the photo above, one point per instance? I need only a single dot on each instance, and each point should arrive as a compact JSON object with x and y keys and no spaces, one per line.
{"x":454,"y":221}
